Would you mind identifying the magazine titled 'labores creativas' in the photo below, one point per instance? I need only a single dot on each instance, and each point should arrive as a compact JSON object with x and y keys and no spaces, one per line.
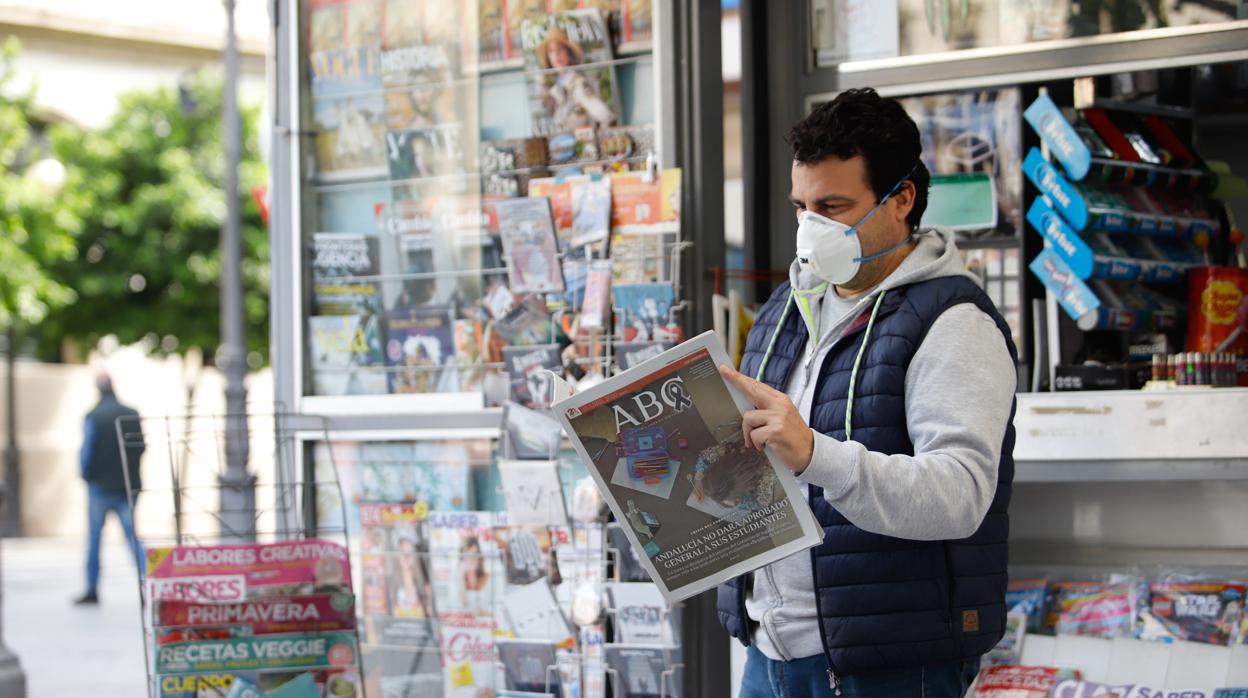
{"x":663,"y":442}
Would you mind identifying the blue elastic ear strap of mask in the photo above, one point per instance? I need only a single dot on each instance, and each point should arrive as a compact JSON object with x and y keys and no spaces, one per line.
{"x":889,"y":195}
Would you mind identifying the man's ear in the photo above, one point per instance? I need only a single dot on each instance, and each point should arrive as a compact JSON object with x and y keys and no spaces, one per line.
{"x":905,"y":201}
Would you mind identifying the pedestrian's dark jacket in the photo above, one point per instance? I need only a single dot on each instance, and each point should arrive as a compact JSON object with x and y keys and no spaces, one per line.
{"x":102,"y":463}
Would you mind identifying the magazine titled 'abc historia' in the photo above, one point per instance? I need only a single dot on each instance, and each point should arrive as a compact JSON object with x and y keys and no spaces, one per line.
{"x":663,"y":442}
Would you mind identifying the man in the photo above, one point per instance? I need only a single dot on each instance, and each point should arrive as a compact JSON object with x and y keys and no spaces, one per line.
{"x":102,"y":468}
{"x":883,"y":377}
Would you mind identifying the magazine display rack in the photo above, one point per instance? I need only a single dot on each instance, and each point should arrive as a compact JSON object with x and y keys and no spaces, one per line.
{"x":242,"y":585}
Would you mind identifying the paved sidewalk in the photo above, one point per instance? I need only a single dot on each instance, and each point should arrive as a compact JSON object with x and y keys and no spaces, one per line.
{"x":70,"y":651}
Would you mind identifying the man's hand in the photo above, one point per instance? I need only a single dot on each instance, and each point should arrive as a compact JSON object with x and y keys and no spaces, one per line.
{"x":773,"y":422}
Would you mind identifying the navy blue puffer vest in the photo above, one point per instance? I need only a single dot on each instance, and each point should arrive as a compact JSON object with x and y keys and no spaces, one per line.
{"x":886,"y":603}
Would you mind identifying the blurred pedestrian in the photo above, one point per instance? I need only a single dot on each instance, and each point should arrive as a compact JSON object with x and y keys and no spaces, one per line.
{"x":104,"y":469}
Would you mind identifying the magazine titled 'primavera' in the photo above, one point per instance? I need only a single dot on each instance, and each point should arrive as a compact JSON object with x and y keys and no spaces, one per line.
{"x":663,"y":442}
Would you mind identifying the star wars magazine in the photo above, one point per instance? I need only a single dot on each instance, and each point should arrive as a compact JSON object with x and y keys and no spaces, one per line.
{"x":663,"y":443}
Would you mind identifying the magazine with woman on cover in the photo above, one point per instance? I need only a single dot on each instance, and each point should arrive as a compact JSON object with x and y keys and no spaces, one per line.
{"x":664,"y":444}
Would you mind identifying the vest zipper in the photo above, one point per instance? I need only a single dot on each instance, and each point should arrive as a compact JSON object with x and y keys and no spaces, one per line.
{"x":834,"y":682}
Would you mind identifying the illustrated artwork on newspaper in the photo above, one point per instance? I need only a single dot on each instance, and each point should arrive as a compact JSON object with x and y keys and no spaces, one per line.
{"x":663,"y":442}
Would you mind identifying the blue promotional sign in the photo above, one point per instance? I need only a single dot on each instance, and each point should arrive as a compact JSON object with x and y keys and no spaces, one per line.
{"x":1047,"y":121}
{"x":1061,"y":192}
{"x":1074,"y":296}
{"x":1070,"y":246}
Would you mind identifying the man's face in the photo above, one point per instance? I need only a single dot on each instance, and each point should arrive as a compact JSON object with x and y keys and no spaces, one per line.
{"x":839,"y":189}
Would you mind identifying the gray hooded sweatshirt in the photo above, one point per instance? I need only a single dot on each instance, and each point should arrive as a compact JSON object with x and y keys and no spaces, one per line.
{"x":959,"y":388}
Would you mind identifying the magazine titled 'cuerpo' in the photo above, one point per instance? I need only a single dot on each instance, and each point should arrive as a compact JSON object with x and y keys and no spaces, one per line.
{"x":663,"y":442}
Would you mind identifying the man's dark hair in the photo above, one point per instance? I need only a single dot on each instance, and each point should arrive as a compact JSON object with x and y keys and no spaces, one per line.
{"x":861,"y":122}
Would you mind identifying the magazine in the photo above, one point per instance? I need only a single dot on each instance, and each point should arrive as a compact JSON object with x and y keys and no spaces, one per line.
{"x":1097,"y":609}
{"x":1192,"y":611}
{"x":428,"y":151}
{"x":528,"y":238}
{"x":337,"y":258}
{"x":1019,"y":681}
{"x":1027,"y":596}
{"x":265,"y":616}
{"x":531,"y":434}
{"x":620,"y":552}
{"x":643,"y":671}
{"x":644,"y":203}
{"x":349,"y":137}
{"x":420,"y":350}
{"x":335,"y":681}
{"x":530,"y":371}
{"x":629,"y":354}
{"x":571,"y":80}
{"x":400,"y":672}
{"x":1074,"y":688}
{"x":227,"y":573}
{"x":591,"y":211}
{"x":531,"y":612}
{"x":663,"y":442}
{"x":644,"y":312}
{"x":533,"y":492}
{"x":640,"y":614}
{"x":345,"y":353}
{"x":559,"y":191}
{"x":433,"y":474}
{"x":1010,"y":648}
{"x":304,"y":651}
{"x":527,"y":552}
{"x":391,"y":534}
{"x":526,"y":664}
{"x":467,"y":594}
{"x":597,"y":295}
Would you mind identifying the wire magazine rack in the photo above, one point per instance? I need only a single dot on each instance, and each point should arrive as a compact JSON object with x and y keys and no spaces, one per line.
{"x":189,"y":496}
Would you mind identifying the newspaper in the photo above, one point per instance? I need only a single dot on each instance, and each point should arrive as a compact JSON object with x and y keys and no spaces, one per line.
{"x":663,"y":442}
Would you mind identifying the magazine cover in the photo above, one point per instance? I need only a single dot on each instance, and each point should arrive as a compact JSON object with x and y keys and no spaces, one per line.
{"x":531,"y":434}
{"x":1074,"y":688}
{"x":431,"y":474}
{"x":644,"y":313}
{"x":528,"y":238}
{"x":336,"y":259}
{"x":526,"y":552}
{"x":328,"y":682}
{"x":302,"y":651}
{"x":420,"y":349}
{"x":597,"y":294}
{"x":640,"y":614}
{"x":568,"y":66}
{"x":591,"y":211}
{"x":643,"y":671}
{"x":644,"y":203}
{"x":1027,"y":596}
{"x":525,"y":664}
{"x":620,"y":552}
{"x":559,"y":191}
{"x":391,"y":534}
{"x":1020,"y":681}
{"x":531,"y":612}
{"x":399,"y":672}
{"x":1010,"y":649}
{"x":663,"y":443}
{"x":1208,"y":612}
{"x":349,"y":137}
{"x":345,"y":353}
{"x":629,"y":354}
{"x":530,"y":371}
{"x":226,"y":573}
{"x":467,"y":592}
{"x":265,"y":616}
{"x":533,"y":492}
{"x":1098,"y":609}
{"x":428,"y":151}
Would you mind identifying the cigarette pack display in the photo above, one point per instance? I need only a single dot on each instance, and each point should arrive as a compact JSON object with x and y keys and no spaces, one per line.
{"x":528,"y":237}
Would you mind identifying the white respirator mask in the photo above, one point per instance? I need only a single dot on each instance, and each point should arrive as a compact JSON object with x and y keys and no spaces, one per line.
{"x":832,"y":250}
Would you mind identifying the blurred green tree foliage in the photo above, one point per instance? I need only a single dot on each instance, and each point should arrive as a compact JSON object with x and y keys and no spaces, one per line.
{"x":36,"y":230}
{"x":149,"y":189}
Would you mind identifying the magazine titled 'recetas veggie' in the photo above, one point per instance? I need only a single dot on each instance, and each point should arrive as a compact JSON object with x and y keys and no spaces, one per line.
{"x":663,"y":442}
